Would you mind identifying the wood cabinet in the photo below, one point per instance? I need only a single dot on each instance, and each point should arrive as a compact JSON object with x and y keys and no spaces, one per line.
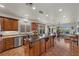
{"x":26,"y":48}
{"x":51,"y":41}
{"x":1,"y":24}
{"x":14,"y":25}
{"x":34,"y":26}
{"x":37,"y":48}
{"x":42,"y":46}
{"x":47,"y":43}
{"x":31,"y":49}
{"x":8,"y":43}
{"x":9,"y":24}
{"x":1,"y":44}
{"x":6,"y":25}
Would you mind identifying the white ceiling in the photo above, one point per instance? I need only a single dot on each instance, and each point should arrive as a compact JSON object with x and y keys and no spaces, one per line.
{"x":70,"y":11}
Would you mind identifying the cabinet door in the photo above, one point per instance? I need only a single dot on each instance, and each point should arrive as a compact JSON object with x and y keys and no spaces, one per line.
{"x":1,"y":44}
{"x":26,"y":48}
{"x":34,"y":26}
{"x":47,"y":43}
{"x":31,"y":50}
{"x":8,"y":43}
{"x":37,"y":48}
{"x":9,"y":24}
{"x":6,"y":24}
{"x":42,"y":45}
{"x":52,"y":41}
{"x":14,"y":25}
{"x":1,"y":24}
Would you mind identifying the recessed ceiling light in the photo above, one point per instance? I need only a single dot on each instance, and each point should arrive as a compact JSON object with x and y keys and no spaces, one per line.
{"x":2,"y":6}
{"x":60,"y":10}
{"x":33,"y":8}
{"x":64,"y":16}
{"x":26,"y":15}
{"x":47,"y":15}
{"x":38,"y":18}
{"x":26,"y":20}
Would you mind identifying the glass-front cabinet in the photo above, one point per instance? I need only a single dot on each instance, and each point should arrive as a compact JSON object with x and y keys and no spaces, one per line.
{"x":41,"y":30}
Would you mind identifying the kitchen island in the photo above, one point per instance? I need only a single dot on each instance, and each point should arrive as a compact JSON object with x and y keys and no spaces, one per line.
{"x":38,"y":46}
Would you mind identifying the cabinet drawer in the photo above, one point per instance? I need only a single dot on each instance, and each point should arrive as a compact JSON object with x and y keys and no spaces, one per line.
{"x":8,"y":43}
{"x":8,"y":47}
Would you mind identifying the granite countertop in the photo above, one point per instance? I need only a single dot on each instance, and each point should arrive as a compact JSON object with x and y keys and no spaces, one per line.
{"x":40,"y":37}
{"x":30,"y":39}
{"x":8,"y":36}
{"x":69,"y":34}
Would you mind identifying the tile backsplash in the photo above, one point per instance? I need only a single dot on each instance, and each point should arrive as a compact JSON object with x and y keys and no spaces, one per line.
{"x":9,"y":32}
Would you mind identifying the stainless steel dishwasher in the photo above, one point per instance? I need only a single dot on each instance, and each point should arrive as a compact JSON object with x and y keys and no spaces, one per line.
{"x":18,"y":41}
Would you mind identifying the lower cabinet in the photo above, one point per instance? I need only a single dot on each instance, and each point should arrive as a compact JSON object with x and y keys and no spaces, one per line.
{"x":52,"y":41}
{"x":42,"y":46}
{"x":47,"y":43}
{"x":1,"y":44}
{"x":32,"y":49}
{"x":26,"y":48}
{"x":37,"y":48}
{"x":8,"y":43}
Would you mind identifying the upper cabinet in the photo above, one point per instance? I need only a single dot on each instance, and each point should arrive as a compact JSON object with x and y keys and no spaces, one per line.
{"x":14,"y":25}
{"x":34,"y":26}
{"x":9,"y":24}
{"x":1,"y":23}
{"x":6,"y":25}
